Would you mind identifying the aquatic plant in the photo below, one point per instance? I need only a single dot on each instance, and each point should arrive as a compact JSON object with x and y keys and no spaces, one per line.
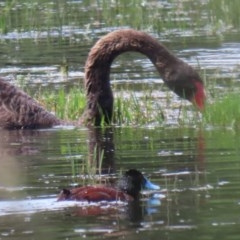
{"x":224,"y":112}
{"x":129,"y":108}
{"x":68,"y":106}
{"x":144,"y":108}
{"x":167,"y":17}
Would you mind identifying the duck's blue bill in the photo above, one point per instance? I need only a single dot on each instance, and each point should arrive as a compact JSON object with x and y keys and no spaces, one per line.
{"x":150,"y":186}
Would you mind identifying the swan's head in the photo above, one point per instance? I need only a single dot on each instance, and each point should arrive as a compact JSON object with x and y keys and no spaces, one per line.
{"x":187,"y":84}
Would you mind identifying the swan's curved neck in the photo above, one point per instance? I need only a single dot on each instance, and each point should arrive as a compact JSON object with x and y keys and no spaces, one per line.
{"x":101,"y":56}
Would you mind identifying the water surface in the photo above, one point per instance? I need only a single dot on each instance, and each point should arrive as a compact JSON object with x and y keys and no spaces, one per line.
{"x":196,"y":167}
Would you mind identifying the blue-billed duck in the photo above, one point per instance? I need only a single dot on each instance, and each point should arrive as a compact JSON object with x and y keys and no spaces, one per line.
{"x":127,"y":189}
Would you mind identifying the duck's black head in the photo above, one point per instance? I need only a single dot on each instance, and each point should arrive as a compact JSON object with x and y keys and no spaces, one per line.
{"x":133,"y":181}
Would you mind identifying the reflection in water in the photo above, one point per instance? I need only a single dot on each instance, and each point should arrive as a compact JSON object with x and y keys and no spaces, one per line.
{"x":13,"y":171}
{"x":19,"y":147}
{"x":32,"y":142}
{"x":19,"y":142}
{"x":133,"y":211}
{"x":9,"y":170}
{"x":102,"y":149}
{"x":136,"y":212}
{"x":183,"y":172}
{"x":187,"y":183}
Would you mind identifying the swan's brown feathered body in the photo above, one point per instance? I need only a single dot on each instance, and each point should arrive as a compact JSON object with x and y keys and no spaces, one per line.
{"x":18,"y":110}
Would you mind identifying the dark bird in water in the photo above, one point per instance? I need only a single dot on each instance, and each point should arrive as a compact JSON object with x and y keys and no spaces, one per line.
{"x":127,"y":189}
{"x":18,"y":110}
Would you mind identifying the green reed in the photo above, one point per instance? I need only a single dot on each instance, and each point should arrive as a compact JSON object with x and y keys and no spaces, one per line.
{"x":68,"y":106}
{"x":131,"y":110}
{"x":224,"y":112}
{"x":88,"y":169}
{"x":134,"y":110}
{"x":159,"y":16}
{"x":143,"y":109}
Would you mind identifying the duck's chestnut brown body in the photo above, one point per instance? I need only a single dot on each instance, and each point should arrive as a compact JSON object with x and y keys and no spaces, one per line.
{"x":94,"y":194}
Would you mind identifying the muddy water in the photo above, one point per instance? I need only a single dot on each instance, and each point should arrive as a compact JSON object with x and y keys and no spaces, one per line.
{"x":197,"y":168}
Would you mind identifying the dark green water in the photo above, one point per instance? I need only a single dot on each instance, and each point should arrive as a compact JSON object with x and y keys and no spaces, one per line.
{"x":198,"y":171}
{"x":197,"y":168}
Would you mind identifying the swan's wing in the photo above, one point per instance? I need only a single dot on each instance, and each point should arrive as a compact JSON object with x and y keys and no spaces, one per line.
{"x":18,"y":110}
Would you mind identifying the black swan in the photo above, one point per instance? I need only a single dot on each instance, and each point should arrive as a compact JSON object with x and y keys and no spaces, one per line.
{"x":18,"y":110}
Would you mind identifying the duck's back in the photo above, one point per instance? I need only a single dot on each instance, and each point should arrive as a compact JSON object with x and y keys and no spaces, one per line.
{"x":94,"y":194}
